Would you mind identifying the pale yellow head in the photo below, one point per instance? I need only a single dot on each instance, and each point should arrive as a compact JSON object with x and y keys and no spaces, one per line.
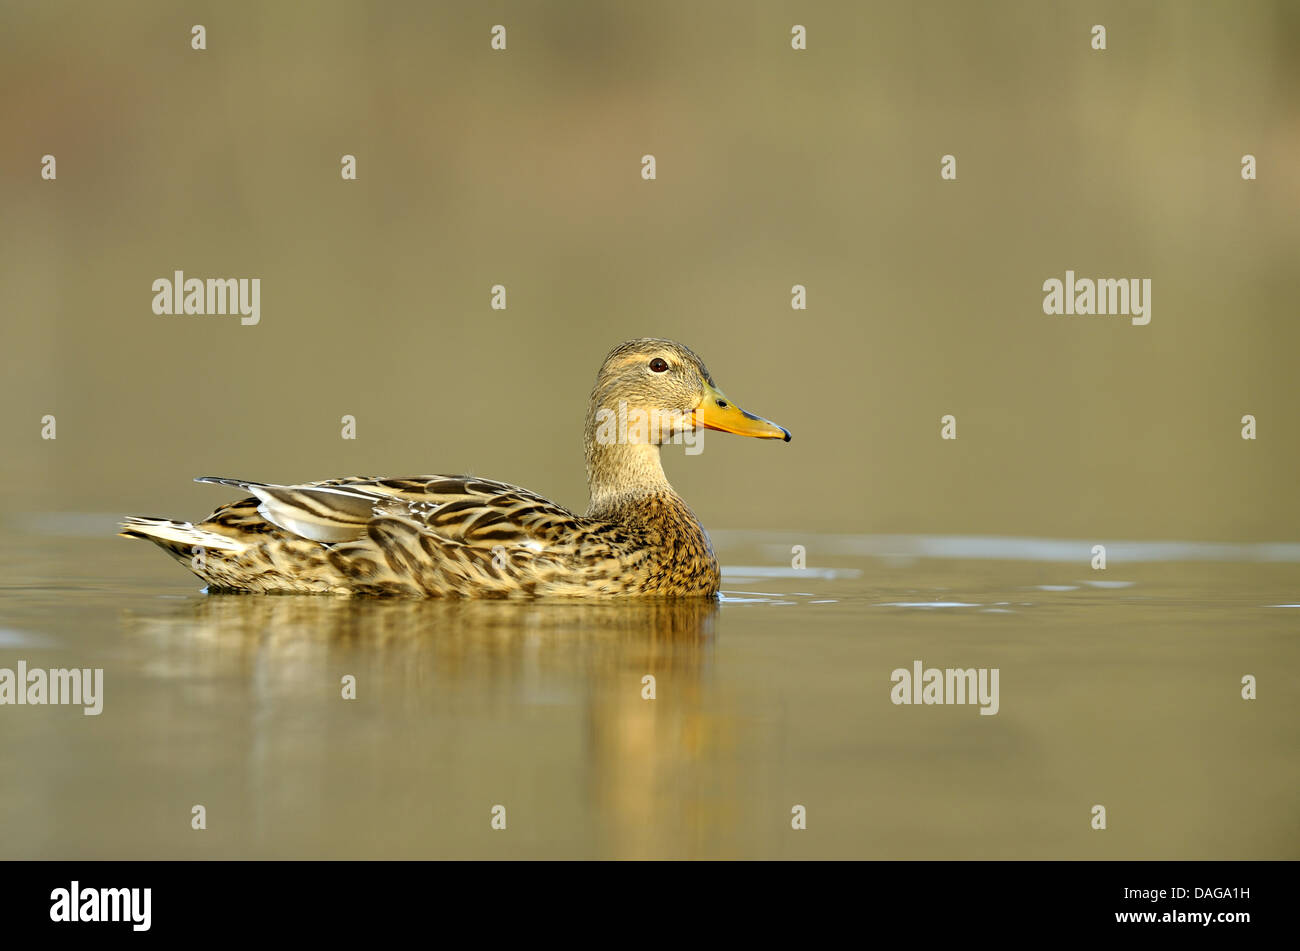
{"x":647,"y":393}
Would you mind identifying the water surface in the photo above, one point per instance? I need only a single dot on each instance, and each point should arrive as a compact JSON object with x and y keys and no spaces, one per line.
{"x":1118,"y":687}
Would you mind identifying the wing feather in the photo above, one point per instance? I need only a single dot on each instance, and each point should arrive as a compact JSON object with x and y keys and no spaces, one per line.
{"x":472,"y":511}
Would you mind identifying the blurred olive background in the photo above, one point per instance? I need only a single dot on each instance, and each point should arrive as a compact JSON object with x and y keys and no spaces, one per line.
{"x":775,"y":167}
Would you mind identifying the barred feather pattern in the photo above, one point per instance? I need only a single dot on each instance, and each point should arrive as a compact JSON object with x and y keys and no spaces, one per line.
{"x":438,"y":536}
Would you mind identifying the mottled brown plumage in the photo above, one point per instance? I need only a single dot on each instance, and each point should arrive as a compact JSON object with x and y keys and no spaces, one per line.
{"x":462,"y":536}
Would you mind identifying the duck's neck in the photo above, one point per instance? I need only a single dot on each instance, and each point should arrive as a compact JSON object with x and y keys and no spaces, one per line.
{"x":619,"y":474}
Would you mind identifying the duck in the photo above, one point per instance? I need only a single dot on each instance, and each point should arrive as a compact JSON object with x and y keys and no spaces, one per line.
{"x":462,"y":536}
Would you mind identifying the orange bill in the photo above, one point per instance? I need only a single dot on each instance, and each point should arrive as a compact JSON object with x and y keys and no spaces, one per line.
{"x":718,"y":412}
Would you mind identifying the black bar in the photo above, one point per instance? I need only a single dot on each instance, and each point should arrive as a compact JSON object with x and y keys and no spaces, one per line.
{"x":978,"y":900}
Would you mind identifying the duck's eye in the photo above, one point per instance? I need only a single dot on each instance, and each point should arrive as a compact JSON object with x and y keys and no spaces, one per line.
{"x":659,"y":364}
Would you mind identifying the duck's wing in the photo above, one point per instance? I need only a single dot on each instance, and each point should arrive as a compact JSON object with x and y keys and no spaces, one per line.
{"x":464,"y":509}
{"x":431,"y":535}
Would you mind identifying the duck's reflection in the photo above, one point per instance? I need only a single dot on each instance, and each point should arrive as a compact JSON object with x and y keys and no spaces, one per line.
{"x":449,"y":636}
{"x":447,"y":666}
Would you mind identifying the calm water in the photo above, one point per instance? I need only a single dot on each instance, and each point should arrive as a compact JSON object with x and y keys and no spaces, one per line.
{"x":1119,"y":687}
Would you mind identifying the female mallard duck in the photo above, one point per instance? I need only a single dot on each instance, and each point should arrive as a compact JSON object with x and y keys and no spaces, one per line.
{"x":461,"y":536}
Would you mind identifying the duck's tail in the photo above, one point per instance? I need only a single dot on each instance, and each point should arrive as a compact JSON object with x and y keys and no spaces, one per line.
{"x":179,"y":538}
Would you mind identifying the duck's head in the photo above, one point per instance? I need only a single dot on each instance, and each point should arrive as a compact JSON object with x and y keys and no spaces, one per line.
{"x":666,"y":384}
